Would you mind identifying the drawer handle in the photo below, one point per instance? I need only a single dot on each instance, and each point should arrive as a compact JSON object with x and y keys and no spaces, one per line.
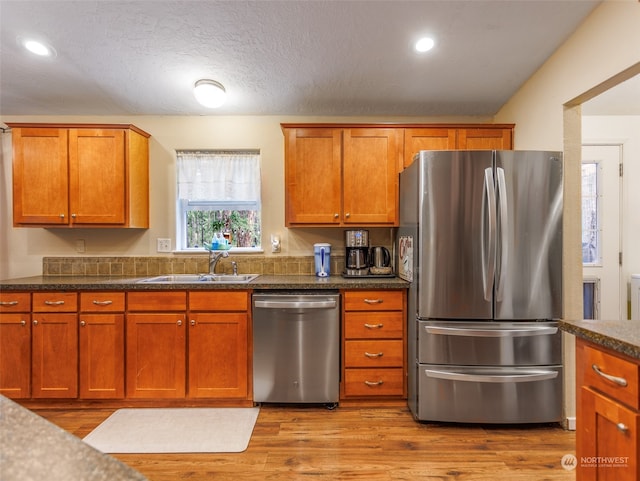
{"x":54,"y":303}
{"x":373,"y":301}
{"x":9,"y":303}
{"x":622,"y":427}
{"x":373,"y":326}
{"x":620,"y":381}
{"x":374,"y":383}
{"x":370,"y":354}
{"x":102,"y":303}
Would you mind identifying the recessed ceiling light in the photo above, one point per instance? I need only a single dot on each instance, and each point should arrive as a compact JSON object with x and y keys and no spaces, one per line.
{"x":37,"y":47}
{"x":424,"y":44}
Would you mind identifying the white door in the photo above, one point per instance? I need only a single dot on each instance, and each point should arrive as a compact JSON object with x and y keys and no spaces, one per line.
{"x":601,"y":226}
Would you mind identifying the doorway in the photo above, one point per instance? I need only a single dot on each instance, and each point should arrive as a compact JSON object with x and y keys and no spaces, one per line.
{"x":601,"y":230}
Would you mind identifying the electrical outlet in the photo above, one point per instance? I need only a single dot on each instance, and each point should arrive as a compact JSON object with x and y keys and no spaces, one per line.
{"x":276,"y":244}
{"x":164,"y":245}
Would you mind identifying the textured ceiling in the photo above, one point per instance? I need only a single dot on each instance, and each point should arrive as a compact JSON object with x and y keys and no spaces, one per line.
{"x":310,"y":57}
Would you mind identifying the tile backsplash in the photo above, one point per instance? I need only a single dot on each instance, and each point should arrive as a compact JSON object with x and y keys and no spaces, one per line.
{"x":181,"y":264}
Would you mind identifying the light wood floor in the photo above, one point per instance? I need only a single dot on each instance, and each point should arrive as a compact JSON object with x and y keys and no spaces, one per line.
{"x":373,"y":444}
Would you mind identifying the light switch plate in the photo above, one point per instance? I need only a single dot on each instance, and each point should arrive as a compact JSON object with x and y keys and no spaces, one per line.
{"x":164,"y":245}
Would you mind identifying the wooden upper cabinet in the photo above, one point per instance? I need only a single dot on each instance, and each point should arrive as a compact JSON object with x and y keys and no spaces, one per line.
{"x":313,"y":159}
{"x":73,"y":175}
{"x":40,"y":176}
{"x":419,"y":139}
{"x":457,"y":137}
{"x":485,"y":139}
{"x":340,"y":177}
{"x":370,"y":176}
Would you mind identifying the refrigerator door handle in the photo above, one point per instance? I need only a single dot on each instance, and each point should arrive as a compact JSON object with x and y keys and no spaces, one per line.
{"x":528,"y":376}
{"x":503,"y":213}
{"x":488,"y":236}
{"x":457,"y":331}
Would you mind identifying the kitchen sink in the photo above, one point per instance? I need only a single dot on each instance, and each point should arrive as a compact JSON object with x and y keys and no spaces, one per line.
{"x":199,"y":278}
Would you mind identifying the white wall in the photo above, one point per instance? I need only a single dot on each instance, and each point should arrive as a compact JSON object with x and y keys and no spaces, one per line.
{"x":625,"y":131}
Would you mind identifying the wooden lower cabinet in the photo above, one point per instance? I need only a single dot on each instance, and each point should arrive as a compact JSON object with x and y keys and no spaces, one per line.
{"x":374,"y":345}
{"x":54,"y":357}
{"x":218,"y":345}
{"x":54,"y":345}
{"x":608,"y":415}
{"x":202,"y":354}
{"x":15,"y":355}
{"x":156,"y":355}
{"x":101,"y":338}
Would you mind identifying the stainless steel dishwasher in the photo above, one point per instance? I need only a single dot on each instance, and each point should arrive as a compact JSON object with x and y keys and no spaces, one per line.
{"x":296,"y":347}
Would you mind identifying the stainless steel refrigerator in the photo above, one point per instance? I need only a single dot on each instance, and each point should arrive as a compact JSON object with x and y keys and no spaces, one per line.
{"x":480,"y":240}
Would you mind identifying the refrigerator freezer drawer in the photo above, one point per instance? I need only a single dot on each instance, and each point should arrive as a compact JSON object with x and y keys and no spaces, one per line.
{"x":489,"y":395}
{"x":489,"y":343}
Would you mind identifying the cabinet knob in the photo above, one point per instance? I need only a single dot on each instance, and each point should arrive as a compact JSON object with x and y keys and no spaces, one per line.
{"x":23,"y":323}
{"x":73,"y":216}
{"x":622,"y":427}
{"x":347,"y":215}
{"x":335,"y":216}
{"x":193,"y":322}
{"x":35,"y":322}
{"x":179,"y":322}
{"x":83,"y":323}
{"x":62,"y":216}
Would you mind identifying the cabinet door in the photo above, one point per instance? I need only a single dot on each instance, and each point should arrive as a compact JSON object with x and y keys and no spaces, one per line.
{"x":55,"y":355}
{"x":371,"y":162}
{"x":485,"y":139}
{"x":155,"y":361}
{"x":15,"y":355}
{"x":607,"y":439}
{"x":97,"y":176}
{"x":312,"y":176}
{"x":101,"y":356}
{"x":40,"y":176}
{"x":218,"y":355}
{"x":434,"y":138}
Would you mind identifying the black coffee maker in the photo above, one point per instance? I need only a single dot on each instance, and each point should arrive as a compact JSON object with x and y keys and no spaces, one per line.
{"x":356,"y":243}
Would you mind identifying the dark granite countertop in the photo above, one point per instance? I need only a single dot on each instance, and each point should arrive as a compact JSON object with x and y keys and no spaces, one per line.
{"x":51,"y":283}
{"x":619,"y":336}
{"x":33,"y":449}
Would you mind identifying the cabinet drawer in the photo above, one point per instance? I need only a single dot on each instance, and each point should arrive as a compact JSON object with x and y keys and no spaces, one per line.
{"x":15,"y":302}
{"x":373,"y":325}
{"x":373,"y":354}
{"x":373,"y":382}
{"x":55,"y":302}
{"x":374,"y":300}
{"x":622,"y":370}
{"x":157,"y":301}
{"x":219,"y":301}
{"x":102,"y":301}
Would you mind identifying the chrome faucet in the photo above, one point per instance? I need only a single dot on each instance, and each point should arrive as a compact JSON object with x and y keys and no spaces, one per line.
{"x":214,"y":257}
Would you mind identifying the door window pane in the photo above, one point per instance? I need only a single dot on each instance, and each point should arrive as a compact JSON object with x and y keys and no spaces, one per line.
{"x":591,"y":239}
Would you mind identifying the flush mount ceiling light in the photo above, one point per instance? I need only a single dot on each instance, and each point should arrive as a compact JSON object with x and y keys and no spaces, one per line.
{"x":424,"y":44}
{"x":210,"y":93}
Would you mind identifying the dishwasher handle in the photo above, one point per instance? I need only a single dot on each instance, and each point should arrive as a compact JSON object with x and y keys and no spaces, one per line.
{"x":275,"y":304}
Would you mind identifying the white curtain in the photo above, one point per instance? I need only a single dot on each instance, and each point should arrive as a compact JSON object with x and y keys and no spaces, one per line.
{"x":219,"y":176}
